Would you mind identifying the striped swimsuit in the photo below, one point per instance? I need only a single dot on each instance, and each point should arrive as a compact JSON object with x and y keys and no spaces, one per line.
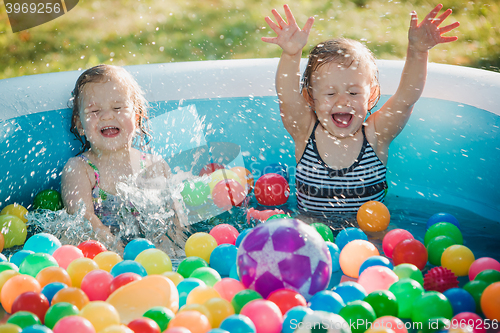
{"x":321,"y":189}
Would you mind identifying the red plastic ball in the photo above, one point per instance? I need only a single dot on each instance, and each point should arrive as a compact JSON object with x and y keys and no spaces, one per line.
{"x":224,"y":234}
{"x":392,"y":238}
{"x":410,"y":251}
{"x":122,"y":280}
{"x":210,"y":167}
{"x":228,"y":193}
{"x":91,"y":248}
{"x":440,"y":279}
{"x":286,"y":299}
{"x":144,"y":325}
{"x":272,"y":190}
{"x":33,"y":302}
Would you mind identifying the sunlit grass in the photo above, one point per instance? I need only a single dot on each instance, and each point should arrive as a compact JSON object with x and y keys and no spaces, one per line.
{"x":129,"y":32}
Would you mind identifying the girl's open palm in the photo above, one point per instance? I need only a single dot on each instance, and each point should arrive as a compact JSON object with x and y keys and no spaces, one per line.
{"x":424,"y":36}
{"x":289,"y":36}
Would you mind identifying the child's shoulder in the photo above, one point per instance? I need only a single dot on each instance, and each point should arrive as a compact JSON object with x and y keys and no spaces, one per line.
{"x":76,"y":162}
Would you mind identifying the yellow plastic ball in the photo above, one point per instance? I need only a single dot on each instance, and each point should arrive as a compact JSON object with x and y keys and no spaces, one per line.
{"x":78,"y":268}
{"x":174,"y":277}
{"x":223,"y":174}
{"x":200,"y":245}
{"x":354,"y":254}
{"x":100,"y":314}
{"x":458,"y":259}
{"x":373,"y":216}
{"x":200,"y":308}
{"x":219,"y":309}
{"x":107,"y":260}
{"x":15,"y":210}
{"x":13,"y":229}
{"x":10,"y":328}
{"x":201,"y":294}
{"x":154,"y":261}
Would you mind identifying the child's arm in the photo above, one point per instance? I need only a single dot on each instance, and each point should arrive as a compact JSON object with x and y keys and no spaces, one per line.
{"x":394,"y":114}
{"x":295,"y":111}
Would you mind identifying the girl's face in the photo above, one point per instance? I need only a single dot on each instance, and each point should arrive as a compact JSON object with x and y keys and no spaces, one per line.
{"x":341,"y":97}
{"x":107,"y":116}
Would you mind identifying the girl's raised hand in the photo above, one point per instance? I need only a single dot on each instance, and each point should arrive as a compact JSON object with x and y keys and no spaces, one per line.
{"x":424,"y":36}
{"x":289,"y":36}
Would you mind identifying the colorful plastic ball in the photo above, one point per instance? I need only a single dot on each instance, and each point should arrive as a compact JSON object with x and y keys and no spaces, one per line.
{"x":65,"y":254}
{"x":265,"y":315}
{"x":223,"y":175}
{"x":410,"y":251}
{"x":51,"y":289}
{"x":16,"y":286}
{"x":234,"y":272}
{"x":442,"y":217}
{"x":326,"y":300}
{"x":161,"y":315}
{"x":136,"y":246}
{"x":48,"y":199}
{"x":223,"y":257}
{"x":470,"y":320}
{"x":325,"y":231}
{"x":198,"y":307}
{"x":228,"y":193}
{"x":107,"y":260}
{"x":189,"y":265}
{"x":186,"y":286}
{"x":177,"y":330}
{"x":33,"y":302}
{"x":358,"y":312}
{"x":286,"y":299}
{"x":117,"y":329}
{"x":375,"y":261}
{"x":390,"y":322}
{"x":174,"y":277}
{"x":78,"y":268}
{"x":123,"y":279}
{"x":42,"y":243}
{"x":272,"y":190}
{"x":10,"y":328}
{"x":154,"y":261}
{"x":228,"y":287}
{"x":35,"y":262}
{"x":6,"y":275}
{"x":348,"y":235}
{"x":206,"y":274}
{"x":244,"y":174}
{"x":194,"y":321}
{"x":144,"y":325}
{"x":377,"y":278}
{"x":383,"y":302}
{"x":23,"y":319}
{"x":440,"y":279}
{"x":37,"y":329}
{"x":409,"y":271}
{"x":480,"y":265}
{"x":238,"y":323}
{"x":334,"y":254}
{"x":489,"y":276}
{"x":436,"y":247}
{"x":59,"y":311}
{"x":406,"y":291}
{"x":241,"y":236}
{"x":15,"y":210}
{"x":195,"y":193}
{"x":2,"y":243}
{"x":74,"y":324}
{"x":200,"y":245}
{"x":100,"y":314}
{"x":354,"y":254}
{"x":476,"y":289}
{"x":219,"y":309}
{"x":201,"y":294}
{"x":18,"y":257}
{"x":431,"y":304}
{"x":293,"y":317}
{"x":128,"y":266}
{"x":243,"y":297}
{"x":96,"y":285}
{"x":350,"y":291}
{"x":53,"y":274}
{"x":276,"y":168}
{"x":3,"y":258}
{"x":490,"y":301}
{"x":458,"y":259}
{"x":224,"y":234}
{"x":392,"y":238}
{"x":460,"y":300}
{"x":443,"y":229}
{"x":14,"y":230}
{"x":7,"y":266}
{"x":373,"y":216}
{"x":71,"y":295}
{"x":210,"y":168}
{"x":91,"y":248}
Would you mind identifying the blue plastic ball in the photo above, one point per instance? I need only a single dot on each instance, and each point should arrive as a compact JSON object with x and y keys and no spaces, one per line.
{"x":233,"y":273}
{"x":42,"y":243}
{"x":335,"y":254}
{"x":460,"y":300}
{"x":276,"y":168}
{"x":350,"y":291}
{"x":349,"y":234}
{"x":238,"y":323}
{"x":136,"y":246}
{"x":52,"y":288}
{"x":375,"y":261}
{"x":217,"y":330}
{"x":3,"y":258}
{"x":222,"y":258}
{"x":242,"y":235}
{"x":128,"y":266}
{"x":37,"y":329}
{"x":185,"y":286}
{"x":326,"y":300}
{"x":18,"y":257}
{"x":442,"y":217}
{"x":293,"y":317}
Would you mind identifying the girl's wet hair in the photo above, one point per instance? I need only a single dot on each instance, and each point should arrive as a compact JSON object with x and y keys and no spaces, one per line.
{"x":344,"y":52}
{"x":101,"y":74}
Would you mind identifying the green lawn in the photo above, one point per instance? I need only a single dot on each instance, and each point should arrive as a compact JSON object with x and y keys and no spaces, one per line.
{"x":130,"y":32}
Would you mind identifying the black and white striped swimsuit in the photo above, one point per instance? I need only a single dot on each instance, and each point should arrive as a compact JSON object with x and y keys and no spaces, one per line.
{"x":321,"y":189}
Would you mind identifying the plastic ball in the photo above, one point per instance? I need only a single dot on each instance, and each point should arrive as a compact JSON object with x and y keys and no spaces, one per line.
{"x":223,"y":257}
{"x":5,"y":276}
{"x":136,"y":246}
{"x":3,"y":258}
{"x":383,"y":302}
{"x":440,"y":279}
{"x":325,"y":232}
{"x":188,"y":265}
{"x":71,"y":295}
{"x":458,"y":259}
{"x":373,"y":216}
{"x":377,"y":278}
{"x":490,"y":301}
{"x":42,"y":243}
{"x":392,"y":238}
{"x":15,"y":210}
{"x":185,"y":287}
{"x":14,"y":230}
{"x":241,"y":236}
{"x":154,"y":261}
{"x":460,"y":300}
{"x":354,"y":254}
{"x":10,"y":328}
{"x":442,"y":217}
{"x":100,"y":314}
{"x":74,"y":324}
{"x":271,"y":190}
{"x":18,"y":257}
{"x":228,"y":287}
{"x":96,"y":284}
{"x":348,"y":235}
{"x":476,"y":289}
{"x":228,"y":193}
{"x":334,"y":254}
{"x":117,"y":329}
{"x":48,"y":199}
{"x":375,"y":261}
{"x":107,"y":260}
{"x":243,"y":297}
{"x":201,"y":294}
{"x":223,"y":175}
{"x":409,"y":271}
{"x":195,"y":193}
{"x":206,"y":274}
{"x":244,"y":174}
{"x":436,"y":247}
{"x":468,"y":320}
{"x":326,"y":300}
{"x":294,"y":316}
{"x":350,"y":291}
{"x":2,"y":242}
{"x":443,"y":229}
{"x":51,"y":289}
{"x":358,"y":311}
{"x":489,"y":276}
{"x":7,"y":266}
{"x":91,"y":248}
{"x":177,"y":330}
{"x":219,"y":309}
{"x":65,"y":254}
{"x":286,"y":299}
{"x":59,"y":311}
{"x":480,"y":265}
{"x":23,"y":319}
{"x":175,"y":277}
{"x":200,"y":245}
{"x":210,"y":168}
{"x":144,"y":325}
{"x":265,"y":315}
{"x":123,"y":279}
{"x":36,"y":262}
{"x":224,"y":234}
{"x":238,"y":323}
{"x":410,"y":251}
{"x":161,"y":315}
{"x":198,"y":307}
{"x":78,"y":268}
{"x":406,"y":291}
{"x":390,"y":322}
{"x":16,"y":286}
{"x":37,"y":329}
{"x":276,"y":168}
{"x":128,"y":266}
{"x":53,"y":274}
{"x":33,"y":302}
{"x":431,"y":304}
{"x":194,"y":321}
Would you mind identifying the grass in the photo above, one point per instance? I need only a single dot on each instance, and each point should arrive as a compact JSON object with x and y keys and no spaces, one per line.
{"x":129,"y":32}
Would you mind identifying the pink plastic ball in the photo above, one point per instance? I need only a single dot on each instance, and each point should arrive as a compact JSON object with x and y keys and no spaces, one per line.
{"x":228,"y":193}
{"x":224,"y":234}
{"x":66,"y":254}
{"x":394,"y":323}
{"x":377,"y":278}
{"x":228,"y":287}
{"x":392,"y":238}
{"x":482,"y":264}
{"x":74,"y":324}
{"x":464,"y":319}
{"x":272,"y":189}
{"x":410,"y":251}
{"x":264,"y":314}
{"x":96,"y":284}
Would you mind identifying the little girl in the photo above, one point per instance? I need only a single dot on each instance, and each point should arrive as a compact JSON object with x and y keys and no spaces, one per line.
{"x":109,"y":115}
{"x":342,"y":155}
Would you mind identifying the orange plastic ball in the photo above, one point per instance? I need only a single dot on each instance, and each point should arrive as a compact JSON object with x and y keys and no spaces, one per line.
{"x":200,"y":308}
{"x":458,"y":259}
{"x":78,"y":268}
{"x":354,"y":254}
{"x":490,"y":301}
{"x":15,"y":286}
{"x":201,"y":294}
{"x":71,"y":295}
{"x":192,"y":320}
{"x":2,"y":242}
{"x":373,"y":216}
{"x":53,"y":274}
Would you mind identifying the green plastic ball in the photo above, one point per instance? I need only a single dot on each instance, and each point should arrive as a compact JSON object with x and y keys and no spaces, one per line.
{"x":206,"y":274}
{"x":443,"y":229}
{"x":243,"y":297}
{"x":189,"y":265}
{"x":161,"y":315}
{"x":324,"y":231}
{"x":436,"y":247}
{"x":23,"y":319}
{"x":48,"y":199}
{"x":383,"y":302}
{"x":4,"y":266}
{"x":58,"y":311}
{"x":406,"y":291}
{"x":359,"y":315}
{"x":13,"y":229}
{"x":431,"y":304}
{"x":476,"y":288}
{"x":195,"y":193}
{"x":278,"y":216}
{"x":409,"y":271}
{"x":35,"y":262}
{"x":489,"y":276}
